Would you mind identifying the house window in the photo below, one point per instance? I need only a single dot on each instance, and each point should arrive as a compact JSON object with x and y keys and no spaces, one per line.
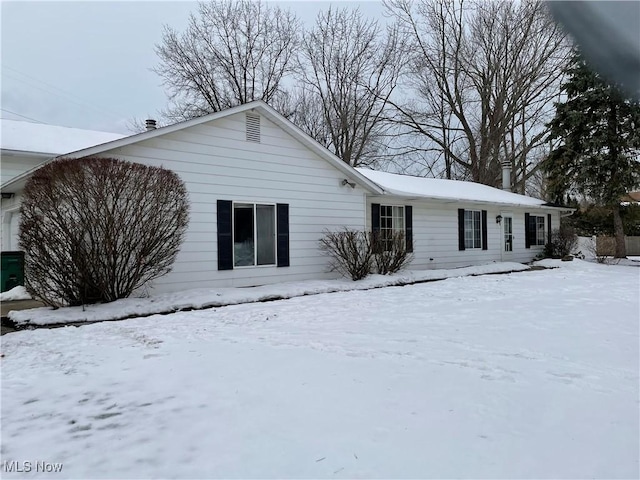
{"x":254,"y":234}
{"x":540,"y":234}
{"x":472,"y":229}
{"x":536,"y":230}
{"x":245,"y":224}
{"x":391,"y":221}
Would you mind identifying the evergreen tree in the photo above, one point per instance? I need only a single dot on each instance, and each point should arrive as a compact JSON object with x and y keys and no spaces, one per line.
{"x":598,"y":155}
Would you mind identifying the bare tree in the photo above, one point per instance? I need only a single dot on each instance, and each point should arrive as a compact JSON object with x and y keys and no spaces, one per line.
{"x":96,"y":229}
{"x":484,"y":76}
{"x":232,"y":52}
{"x":349,"y":68}
{"x":305,"y":109}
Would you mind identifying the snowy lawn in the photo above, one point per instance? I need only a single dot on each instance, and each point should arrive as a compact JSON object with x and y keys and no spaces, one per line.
{"x":527,"y":375}
{"x":215,"y":297}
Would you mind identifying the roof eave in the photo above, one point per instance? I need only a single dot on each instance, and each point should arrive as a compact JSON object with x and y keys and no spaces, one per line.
{"x":26,"y":153}
{"x":18,"y":182}
{"x":447,"y":200}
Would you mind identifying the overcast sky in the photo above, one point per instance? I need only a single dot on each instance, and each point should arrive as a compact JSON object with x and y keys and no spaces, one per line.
{"x":86,"y":64}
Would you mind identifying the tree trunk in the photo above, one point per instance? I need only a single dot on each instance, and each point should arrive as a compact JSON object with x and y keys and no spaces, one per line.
{"x":618,"y":229}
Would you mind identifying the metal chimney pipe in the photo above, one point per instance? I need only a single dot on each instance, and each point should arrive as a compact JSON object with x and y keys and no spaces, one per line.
{"x":150,"y":124}
{"x":506,"y":176}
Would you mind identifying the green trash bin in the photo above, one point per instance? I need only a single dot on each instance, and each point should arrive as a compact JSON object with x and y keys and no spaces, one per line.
{"x":11,"y":270}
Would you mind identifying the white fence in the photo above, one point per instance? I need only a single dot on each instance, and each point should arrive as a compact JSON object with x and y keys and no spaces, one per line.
{"x":606,"y":246}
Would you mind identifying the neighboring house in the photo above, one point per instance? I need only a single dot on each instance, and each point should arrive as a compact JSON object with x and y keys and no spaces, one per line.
{"x":24,"y":146}
{"x":263,"y":193}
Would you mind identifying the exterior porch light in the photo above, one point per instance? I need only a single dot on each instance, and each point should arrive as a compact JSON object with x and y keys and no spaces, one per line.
{"x":499,"y":219}
{"x":347,"y":182}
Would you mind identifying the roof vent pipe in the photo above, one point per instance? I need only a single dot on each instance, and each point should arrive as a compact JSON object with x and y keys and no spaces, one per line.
{"x":506,"y":176}
{"x":150,"y":124}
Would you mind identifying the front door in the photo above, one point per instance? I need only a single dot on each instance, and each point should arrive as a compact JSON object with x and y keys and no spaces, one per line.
{"x":507,"y":236}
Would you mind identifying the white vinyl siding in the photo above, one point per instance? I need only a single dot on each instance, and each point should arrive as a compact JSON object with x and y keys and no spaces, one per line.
{"x":435,"y":234}
{"x":218,"y":163}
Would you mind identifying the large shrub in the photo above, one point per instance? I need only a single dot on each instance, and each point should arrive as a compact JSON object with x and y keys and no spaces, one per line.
{"x":563,"y":241}
{"x":96,"y":229}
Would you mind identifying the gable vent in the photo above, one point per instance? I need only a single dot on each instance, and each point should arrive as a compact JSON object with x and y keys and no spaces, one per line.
{"x":253,"y":127}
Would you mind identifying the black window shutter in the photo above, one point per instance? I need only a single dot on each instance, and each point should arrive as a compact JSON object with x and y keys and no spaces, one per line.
{"x":548,"y":228}
{"x":225,"y":238}
{"x":527,"y":231}
{"x":282,"y":225}
{"x":408,"y":227}
{"x":461,"y":229}
{"x":484,"y":230}
{"x":375,"y":218}
{"x":375,"y":225}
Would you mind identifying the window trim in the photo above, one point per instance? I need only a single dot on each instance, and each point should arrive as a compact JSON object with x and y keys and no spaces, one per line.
{"x":255,"y":233}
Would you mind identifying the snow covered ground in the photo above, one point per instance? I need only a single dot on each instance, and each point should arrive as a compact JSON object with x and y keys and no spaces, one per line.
{"x":214,"y":297}
{"x":526,"y":375}
{"x":16,"y":293}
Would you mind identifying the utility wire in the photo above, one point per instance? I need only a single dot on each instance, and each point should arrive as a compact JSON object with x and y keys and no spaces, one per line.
{"x":23,"y":116}
{"x":78,"y":101}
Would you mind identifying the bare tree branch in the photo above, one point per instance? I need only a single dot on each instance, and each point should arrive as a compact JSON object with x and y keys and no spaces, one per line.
{"x":232,"y":52}
{"x":485,"y":75}
{"x":349,"y":68}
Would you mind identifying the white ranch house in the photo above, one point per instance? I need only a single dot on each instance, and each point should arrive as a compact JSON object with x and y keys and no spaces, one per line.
{"x":262,"y":193}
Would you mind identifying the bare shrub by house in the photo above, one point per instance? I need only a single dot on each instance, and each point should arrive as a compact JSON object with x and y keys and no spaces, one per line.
{"x":355,"y":254}
{"x":391,"y":254}
{"x":350,"y":251}
{"x":96,"y":229}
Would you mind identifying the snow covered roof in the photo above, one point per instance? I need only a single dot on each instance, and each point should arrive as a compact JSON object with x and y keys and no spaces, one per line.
{"x":49,"y":139}
{"x":435,"y":188}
